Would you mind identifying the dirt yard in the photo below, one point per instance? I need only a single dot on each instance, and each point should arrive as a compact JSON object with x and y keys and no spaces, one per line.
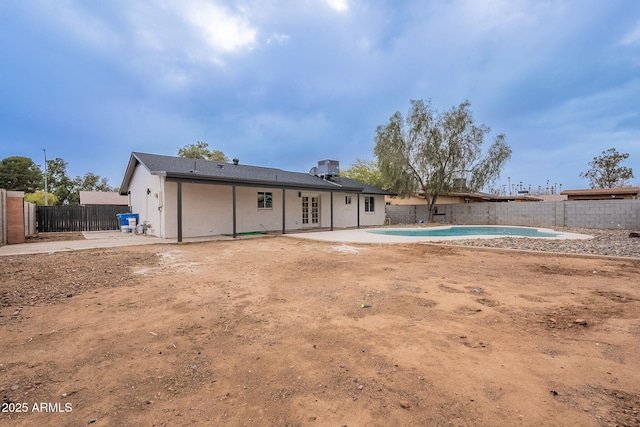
{"x":272,"y":331}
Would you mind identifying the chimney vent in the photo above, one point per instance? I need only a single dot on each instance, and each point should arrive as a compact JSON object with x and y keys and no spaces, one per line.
{"x":236,"y":161}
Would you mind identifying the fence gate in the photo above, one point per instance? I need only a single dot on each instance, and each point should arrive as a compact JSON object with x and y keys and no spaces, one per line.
{"x":79,"y":218}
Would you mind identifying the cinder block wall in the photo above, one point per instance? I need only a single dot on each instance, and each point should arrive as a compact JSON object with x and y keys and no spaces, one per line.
{"x":623,"y":214}
{"x":15,"y":217}
{"x":406,"y":214}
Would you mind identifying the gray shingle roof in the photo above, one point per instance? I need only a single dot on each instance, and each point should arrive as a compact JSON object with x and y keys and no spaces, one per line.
{"x":229,"y":173}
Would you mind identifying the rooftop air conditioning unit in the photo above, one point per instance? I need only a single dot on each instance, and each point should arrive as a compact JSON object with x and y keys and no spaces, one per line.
{"x":328,"y":169}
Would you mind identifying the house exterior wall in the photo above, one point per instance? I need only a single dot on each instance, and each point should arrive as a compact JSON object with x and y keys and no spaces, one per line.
{"x":586,"y":214}
{"x":345,"y":215}
{"x":409,"y":200}
{"x":251,"y":218}
{"x":206,"y":210}
{"x":169,"y":221}
{"x":147,"y":206}
{"x":577,"y":197}
{"x":294,"y":210}
{"x":376,"y":217}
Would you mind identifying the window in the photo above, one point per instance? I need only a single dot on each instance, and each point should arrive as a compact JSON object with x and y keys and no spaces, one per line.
{"x":347,"y":200}
{"x":265,"y":200}
{"x":369,"y":205}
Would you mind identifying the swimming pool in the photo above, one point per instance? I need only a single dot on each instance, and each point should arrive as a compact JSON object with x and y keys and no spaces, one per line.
{"x":435,"y":234}
{"x":473,"y":230}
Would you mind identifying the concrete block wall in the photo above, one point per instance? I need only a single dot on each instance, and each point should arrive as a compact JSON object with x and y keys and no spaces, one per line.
{"x":406,"y":214}
{"x":623,"y":214}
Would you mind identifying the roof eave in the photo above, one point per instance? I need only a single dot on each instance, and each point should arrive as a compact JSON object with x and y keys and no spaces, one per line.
{"x":239,"y":181}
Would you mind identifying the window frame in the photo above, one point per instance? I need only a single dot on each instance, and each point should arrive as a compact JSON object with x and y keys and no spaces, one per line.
{"x":369,"y":204}
{"x":347,"y":199}
{"x":265,"y":198}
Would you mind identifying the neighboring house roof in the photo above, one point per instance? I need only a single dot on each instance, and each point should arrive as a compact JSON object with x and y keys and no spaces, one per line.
{"x":230,"y":173}
{"x":103,"y":198}
{"x":493,"y":197}
{"x":484,"y":196}
{"x":602,"y":191}
{"x":552,"y":197}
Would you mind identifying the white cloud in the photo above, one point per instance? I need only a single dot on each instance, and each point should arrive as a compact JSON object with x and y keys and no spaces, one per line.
{"x":633,"y":37}
{"x":278,"y":38}
{"x":221,"y":29}
{"x":338,"y":5}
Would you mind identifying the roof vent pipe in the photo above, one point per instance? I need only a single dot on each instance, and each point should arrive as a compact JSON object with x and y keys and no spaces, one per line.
{"x":236,"y":161}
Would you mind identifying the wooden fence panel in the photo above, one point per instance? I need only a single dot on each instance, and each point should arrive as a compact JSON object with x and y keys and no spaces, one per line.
{"x":79,"y":218}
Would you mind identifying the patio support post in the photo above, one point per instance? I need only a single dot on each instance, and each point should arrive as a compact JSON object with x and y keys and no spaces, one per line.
{"x":179,"y":183}
{"x":284,"y":217}
{"x":331,"y":211}
{"x":358,"y":209}
{"x":233,"y":194}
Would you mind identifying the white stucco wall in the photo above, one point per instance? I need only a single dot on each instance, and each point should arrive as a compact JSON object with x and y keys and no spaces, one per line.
{"x":345,"y":215}
{"x":250,"y":217}
{"x":372,"y":218}
{"x":170,"y":211}
{"x":146,"y":205}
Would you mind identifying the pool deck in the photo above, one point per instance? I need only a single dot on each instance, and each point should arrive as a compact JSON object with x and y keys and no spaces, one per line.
{"x":364,"y":236}
{"x":111,"y":239}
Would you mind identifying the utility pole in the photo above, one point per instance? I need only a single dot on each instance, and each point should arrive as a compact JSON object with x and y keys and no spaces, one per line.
{"x":46,"y":190}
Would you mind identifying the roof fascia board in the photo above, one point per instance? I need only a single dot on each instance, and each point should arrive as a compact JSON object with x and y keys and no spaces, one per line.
{"x":249,"y":183}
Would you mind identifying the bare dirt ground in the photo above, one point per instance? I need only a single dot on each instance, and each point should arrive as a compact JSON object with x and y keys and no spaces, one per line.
{"x":271,"y":331}
{"x":55,"y":237}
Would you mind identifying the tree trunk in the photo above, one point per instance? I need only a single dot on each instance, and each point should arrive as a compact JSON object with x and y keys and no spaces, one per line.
{"x":432,"y":207}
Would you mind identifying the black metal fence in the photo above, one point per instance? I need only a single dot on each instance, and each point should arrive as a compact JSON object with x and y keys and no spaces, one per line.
{"x":79,"y":218}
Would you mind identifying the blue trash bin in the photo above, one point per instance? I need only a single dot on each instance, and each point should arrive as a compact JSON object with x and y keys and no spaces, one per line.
{"x":124,"y":218}
{"x":124,"y":221}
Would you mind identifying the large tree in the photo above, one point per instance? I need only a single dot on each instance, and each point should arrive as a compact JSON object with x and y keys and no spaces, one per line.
{"x":19,"y":173}
{"x":606,"y":170}
{"x":39,"y":198}
{"x":59,"y":182}
{"x":200,"y":150}
{"x":437,"y":152}
{"x":67,"y":189}
{"x":365,"y":171}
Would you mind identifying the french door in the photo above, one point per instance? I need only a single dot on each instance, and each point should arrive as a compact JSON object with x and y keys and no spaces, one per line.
{"x":310,"y":211}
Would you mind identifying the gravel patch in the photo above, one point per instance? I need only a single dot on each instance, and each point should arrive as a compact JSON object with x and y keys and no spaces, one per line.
{"x":604,"y":242}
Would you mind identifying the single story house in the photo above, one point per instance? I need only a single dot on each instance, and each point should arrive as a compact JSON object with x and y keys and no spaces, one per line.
{"x":621,"y":193}
{"x":95,"y":198}
{"x":179,"y":197}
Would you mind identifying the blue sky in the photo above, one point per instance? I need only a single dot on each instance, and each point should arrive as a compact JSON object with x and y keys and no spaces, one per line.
{"x":287,"y":83}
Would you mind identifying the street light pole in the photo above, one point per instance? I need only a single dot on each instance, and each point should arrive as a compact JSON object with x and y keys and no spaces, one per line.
{"x":46,"y":190}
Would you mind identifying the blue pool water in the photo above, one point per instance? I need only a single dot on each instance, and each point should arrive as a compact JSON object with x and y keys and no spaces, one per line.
{"x":457,"y":231}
